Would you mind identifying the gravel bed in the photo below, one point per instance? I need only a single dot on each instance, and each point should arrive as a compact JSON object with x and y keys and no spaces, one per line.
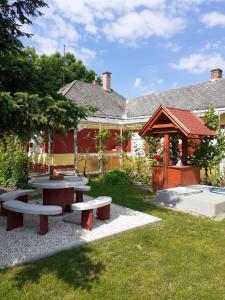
{"x":25,"y":244}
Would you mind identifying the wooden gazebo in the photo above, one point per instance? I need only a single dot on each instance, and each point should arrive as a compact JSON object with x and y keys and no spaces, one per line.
{"x":166,"y":122}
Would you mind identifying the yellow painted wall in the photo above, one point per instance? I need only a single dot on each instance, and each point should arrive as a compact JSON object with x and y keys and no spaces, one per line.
{"x":112,"y":160}
{"x":63,"y":159}
{"x":39,"y":158}
{"x":222,"y":119}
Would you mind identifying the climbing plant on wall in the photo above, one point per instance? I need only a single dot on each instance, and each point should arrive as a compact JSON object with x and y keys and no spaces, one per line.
{"x":209,"y":151}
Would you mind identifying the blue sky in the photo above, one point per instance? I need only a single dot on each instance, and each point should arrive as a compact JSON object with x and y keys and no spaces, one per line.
{"x":148,"y":45}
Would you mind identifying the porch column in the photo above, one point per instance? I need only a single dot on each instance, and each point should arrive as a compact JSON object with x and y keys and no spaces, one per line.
{"x":166,"y":158}
{"x":121,"y":146}
{"x":100,"y":170}
{"x":184,"y":157}
{"x":75,"y":151}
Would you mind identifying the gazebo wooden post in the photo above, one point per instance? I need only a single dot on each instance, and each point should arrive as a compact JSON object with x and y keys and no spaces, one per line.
{"x":184,"y":157}
{"x":166,"y":159}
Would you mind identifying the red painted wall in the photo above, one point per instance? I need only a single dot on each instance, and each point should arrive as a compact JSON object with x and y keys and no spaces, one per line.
{"x":111,"y":142}
{"x":86,"y":142}
{"x":63,"y":144}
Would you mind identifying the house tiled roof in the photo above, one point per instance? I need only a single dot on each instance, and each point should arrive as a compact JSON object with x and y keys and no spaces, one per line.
{"x":193,"y":97}
{"x":109,"y":103}
{"x":112,"y":105}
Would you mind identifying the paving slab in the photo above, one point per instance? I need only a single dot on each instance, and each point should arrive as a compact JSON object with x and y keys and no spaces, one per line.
{"x":205,"y":200}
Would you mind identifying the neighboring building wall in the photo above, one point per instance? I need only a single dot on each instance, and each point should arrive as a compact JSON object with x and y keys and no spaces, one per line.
{"x":62,"y":152}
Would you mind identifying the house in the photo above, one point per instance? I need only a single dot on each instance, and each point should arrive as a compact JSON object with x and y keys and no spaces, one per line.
{"x":115,"y":113}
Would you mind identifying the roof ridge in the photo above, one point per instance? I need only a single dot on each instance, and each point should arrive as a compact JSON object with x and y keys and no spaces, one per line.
{"x":177,"y":108}
{"x":64,"y":90}
{"x":177,"y":88}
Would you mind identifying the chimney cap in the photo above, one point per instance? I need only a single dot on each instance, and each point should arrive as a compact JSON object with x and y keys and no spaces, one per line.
{"x":106,"y":72}
{"x":217,"y":69}
{"x":216,"y":73}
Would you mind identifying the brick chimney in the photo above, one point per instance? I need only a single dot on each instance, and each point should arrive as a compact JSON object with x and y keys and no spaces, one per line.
{"x":106,"y":81}
{"x":216,"y":73}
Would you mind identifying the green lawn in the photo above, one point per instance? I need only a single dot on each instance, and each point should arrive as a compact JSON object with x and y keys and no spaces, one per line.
{"x":182,"y":257}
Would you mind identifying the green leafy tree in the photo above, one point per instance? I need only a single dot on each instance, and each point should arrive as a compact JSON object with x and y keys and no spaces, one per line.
{"x":41,"y":74}
{"x":27,"y":115}
{"x":209,"y":152}
{"x":13,"y":14}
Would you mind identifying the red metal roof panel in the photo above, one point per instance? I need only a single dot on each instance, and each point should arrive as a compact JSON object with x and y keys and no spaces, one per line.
{"x":194,"y":124}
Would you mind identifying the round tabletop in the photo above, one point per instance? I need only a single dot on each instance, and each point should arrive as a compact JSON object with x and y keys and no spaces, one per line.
{"x":67,"y":182}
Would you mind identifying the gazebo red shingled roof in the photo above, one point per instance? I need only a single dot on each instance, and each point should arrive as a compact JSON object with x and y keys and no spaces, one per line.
{"x":181,"y":120}
{"x":166,"y":122}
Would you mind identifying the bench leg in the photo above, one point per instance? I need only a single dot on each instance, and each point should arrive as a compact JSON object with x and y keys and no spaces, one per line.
{"x":87,"y":219}
{"x":3,"y":211}
{"x":14,"y":220}
{"x":103,"y":213}
{"x":79,"y":196}
{"x":43,"y":225}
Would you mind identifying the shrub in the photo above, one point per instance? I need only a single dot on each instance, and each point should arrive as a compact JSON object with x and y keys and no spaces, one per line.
{"x":217,"y":178}
{"x":13,"y":163}
{"x":116,"y":177}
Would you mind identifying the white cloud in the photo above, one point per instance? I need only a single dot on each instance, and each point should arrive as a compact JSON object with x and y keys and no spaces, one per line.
{"x":212,"y":45}
{"x":47,"y":45}
{"x":213,"y":19}
{"x":91,"y":29}
{"x":159,"y":81}
{"x":123,"y":20}
{"x":127,"y":21}
{"x":137,"y":82}
{"x":198,"y":63}
{"x":85,"y":54}
{"x":141,"y":25}
{"x":172,"y":47}
{"x":182,"y":6}
{"x":145,"y":89}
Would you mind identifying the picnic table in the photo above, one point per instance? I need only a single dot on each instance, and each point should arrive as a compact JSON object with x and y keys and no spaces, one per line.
{"x":59,"y":192}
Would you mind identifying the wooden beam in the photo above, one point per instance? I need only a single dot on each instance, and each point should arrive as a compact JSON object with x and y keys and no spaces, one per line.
{"x":169,"y":125}
{"x":163,"y":131}
{"x":166,"y":158}
{"x":184,"y":157}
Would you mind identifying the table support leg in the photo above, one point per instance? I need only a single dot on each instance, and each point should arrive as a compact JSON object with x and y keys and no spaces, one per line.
{"x":79,"y":196}
{"x":68,"y":208}
{"x":87,"y":219}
